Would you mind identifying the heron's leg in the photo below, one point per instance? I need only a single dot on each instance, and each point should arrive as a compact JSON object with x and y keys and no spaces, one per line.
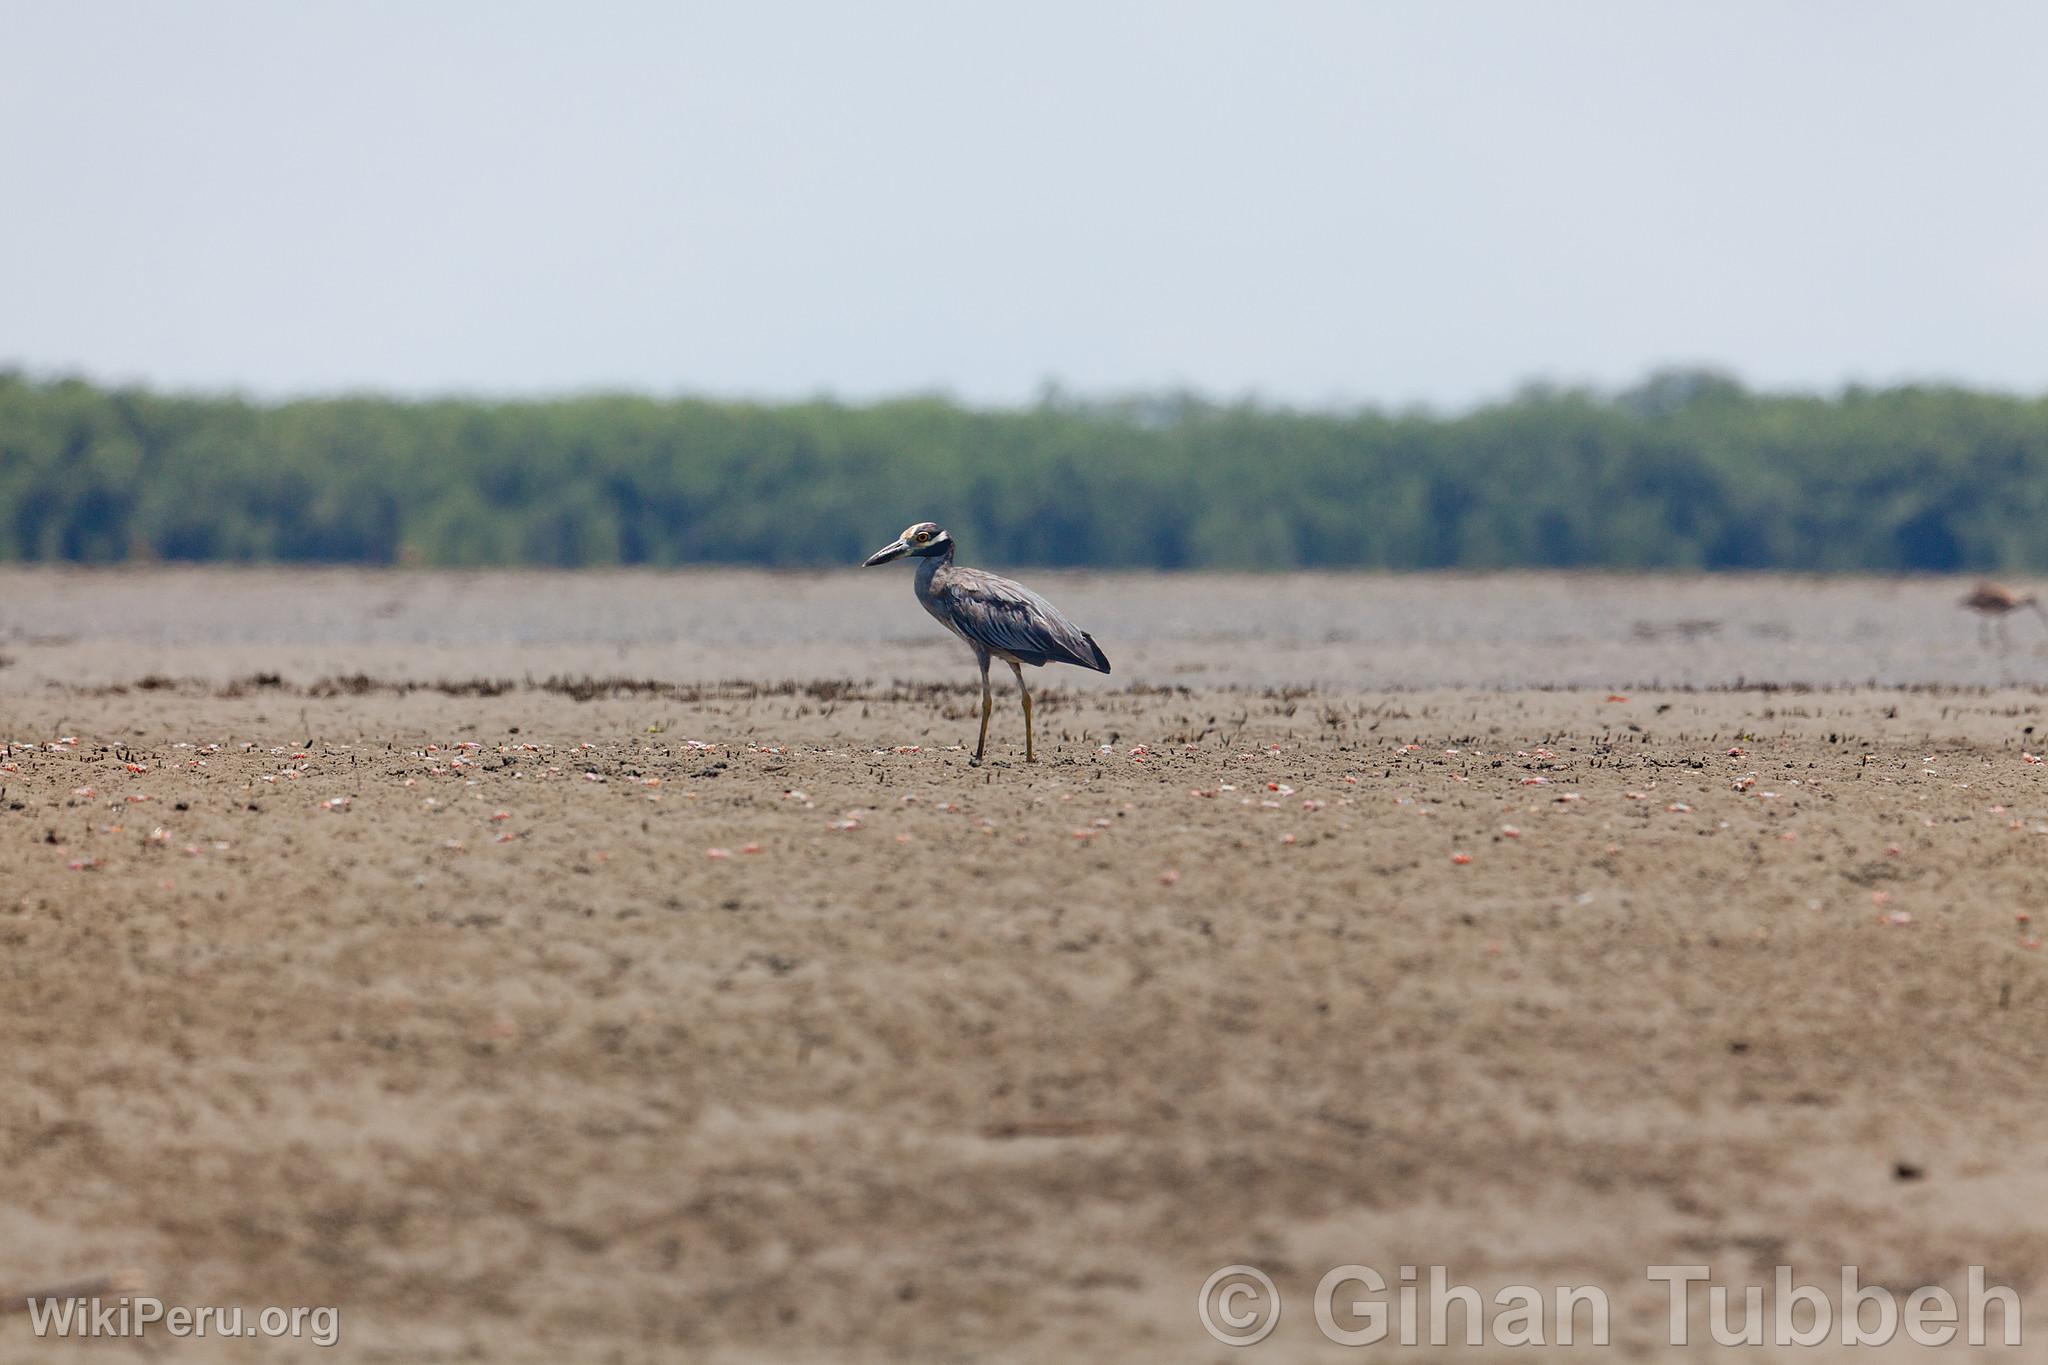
{"x":987,"y":704}
{"x":1018,"y":669}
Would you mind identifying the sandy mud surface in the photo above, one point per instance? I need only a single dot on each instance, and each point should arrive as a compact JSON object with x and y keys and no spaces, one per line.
{"x":1339,"y":632}
{"x":756,"y":1025}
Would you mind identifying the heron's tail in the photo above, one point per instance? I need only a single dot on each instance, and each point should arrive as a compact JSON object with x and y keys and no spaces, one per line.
{"x":1100,"y":663}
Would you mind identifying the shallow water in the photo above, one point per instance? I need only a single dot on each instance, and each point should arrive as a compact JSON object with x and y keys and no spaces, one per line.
{"x":1370,"y":631}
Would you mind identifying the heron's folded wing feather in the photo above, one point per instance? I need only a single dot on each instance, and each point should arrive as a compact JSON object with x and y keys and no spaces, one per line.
{"x":1007,"y":616}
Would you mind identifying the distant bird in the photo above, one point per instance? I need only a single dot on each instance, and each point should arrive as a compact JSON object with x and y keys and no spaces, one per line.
{"x":1993,"y":602}
{"x":997,"y":618}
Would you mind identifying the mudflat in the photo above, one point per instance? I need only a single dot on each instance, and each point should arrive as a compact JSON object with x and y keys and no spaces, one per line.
{"x":1341,"y":632}
{"x":750,"y":1022}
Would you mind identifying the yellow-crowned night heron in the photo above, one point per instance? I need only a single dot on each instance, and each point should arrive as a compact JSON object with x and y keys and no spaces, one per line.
{"x":997,"y":618}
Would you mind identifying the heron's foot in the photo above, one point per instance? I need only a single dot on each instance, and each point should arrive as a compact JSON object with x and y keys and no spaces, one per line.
{"x":974,"y":762}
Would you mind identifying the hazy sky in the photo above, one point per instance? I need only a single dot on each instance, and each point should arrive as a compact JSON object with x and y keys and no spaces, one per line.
{"x":1315,"y":202}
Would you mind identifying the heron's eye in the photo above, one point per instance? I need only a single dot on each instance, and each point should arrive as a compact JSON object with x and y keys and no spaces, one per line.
{"x":923,"y":536}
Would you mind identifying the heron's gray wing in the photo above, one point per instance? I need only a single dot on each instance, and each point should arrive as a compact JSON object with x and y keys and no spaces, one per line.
{"x":1004,"y":615}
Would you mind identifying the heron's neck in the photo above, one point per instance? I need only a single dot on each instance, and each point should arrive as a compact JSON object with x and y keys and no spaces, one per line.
{"x":930,"y":565}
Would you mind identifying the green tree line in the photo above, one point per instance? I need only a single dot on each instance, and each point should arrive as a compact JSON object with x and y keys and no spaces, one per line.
{"x":1687,"y":470}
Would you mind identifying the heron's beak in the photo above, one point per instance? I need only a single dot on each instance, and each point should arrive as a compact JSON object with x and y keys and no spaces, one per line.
{"x":893,"y":550}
